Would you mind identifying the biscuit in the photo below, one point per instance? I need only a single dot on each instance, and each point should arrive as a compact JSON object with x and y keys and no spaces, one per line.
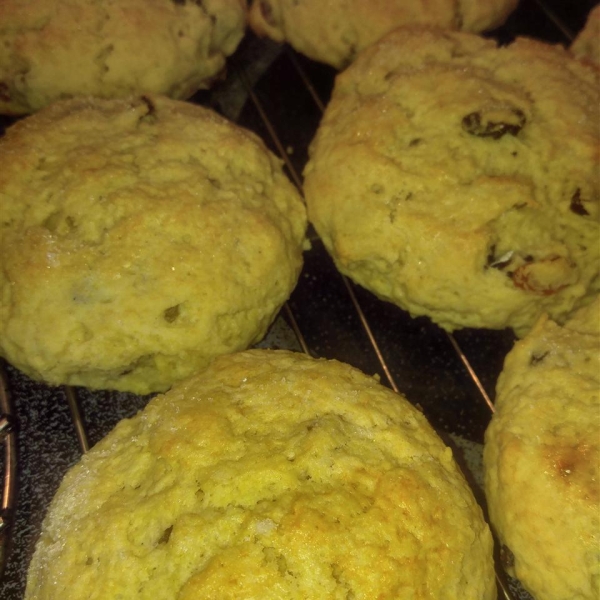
{"x":459,"y":180}
{"x":335,"y":31}
{"x":542,"y":458}
{"x":139,"y":239}
{"x":586,"y":45}
{"x":54,"y":49}
{"x":270,"y":475}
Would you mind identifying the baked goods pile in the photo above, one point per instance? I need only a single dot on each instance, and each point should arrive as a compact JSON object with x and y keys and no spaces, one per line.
{"x":269,"y":475}
{"x":145,"y":240}
{"x":439,"y":178}
{"x":54,"y":49}
{"x":542,"y":458}
{"x":139,"y":239}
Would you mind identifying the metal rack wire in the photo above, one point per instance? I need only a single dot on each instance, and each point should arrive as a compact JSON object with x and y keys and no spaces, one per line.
{"x":328,"y":316}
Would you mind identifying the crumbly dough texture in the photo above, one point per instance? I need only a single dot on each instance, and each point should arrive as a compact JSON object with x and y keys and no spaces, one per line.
{"x":139,"y":239}
{"x":542,"y":458}
{"x":334,"y":32}
{"x":53,"y":49}
{"x":586,"y":45}
{"x":270,"y":475}
{"x":460,"y":180}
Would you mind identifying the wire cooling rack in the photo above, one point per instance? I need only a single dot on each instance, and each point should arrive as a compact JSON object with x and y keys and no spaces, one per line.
{"x":280,"y":95}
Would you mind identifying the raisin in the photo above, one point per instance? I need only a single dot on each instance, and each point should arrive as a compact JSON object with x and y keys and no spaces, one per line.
{"x":491,"y":255}
{"x":479,"y":125}
{"x":576,"y":205}
{"x":171,"y":314}
{"x":351,"y":53}
{"x":538,"y":358}
{"x":164,"y":538}
{"x":267,"y":12}
{"x":4,"y":92}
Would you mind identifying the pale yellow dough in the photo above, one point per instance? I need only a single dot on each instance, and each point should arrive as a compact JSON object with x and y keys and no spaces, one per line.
{"x":335,"y":31}
{"x":270,"y":475}
{"x":542,"y":458}
{"x":53,"y":49}
{"x":139,"y":239}
{"x":586,"y":45}
{"x":460,"y":180}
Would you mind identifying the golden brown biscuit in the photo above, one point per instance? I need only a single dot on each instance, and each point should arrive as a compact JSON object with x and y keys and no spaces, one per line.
{"x":335,"y":31}
{"x":139,"y":239}
{"x":270,"y":475}
{"x":460,"y":180}
{"x":53,"y":49}
{"x":542,"y":458}
{"x":586,"y":45}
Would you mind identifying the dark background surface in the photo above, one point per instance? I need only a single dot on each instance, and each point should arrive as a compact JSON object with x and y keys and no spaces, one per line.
{"x":420,"y":358}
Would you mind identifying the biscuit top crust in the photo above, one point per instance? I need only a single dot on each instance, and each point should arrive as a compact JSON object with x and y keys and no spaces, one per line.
{"x":335,"y":31}
{"x":53,"y":49}
{"x":542,"y":457}
{"x":269,"y":475}
{"x":586,"y":45}
{"x":460,"y":179}
{"x":138,"y":239}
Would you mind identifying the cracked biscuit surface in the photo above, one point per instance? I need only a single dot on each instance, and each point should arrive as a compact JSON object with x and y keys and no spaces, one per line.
{"x":460,"y":180}
{"x":138,"y":239}
{"x":335,"y":31}
{"x":269,"y":475}
{"x":542,"y":458}
{"x":53,"y":49}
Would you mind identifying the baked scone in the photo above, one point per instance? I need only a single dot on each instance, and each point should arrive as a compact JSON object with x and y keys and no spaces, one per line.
{"x":54,"y":49}
{"x":586,"y":45}
{"x":460,"y":180}
{"x":542,"y":458}
{"x":139,"y":239}
{"x":334,"y":32}
{"x":270,"y":475}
